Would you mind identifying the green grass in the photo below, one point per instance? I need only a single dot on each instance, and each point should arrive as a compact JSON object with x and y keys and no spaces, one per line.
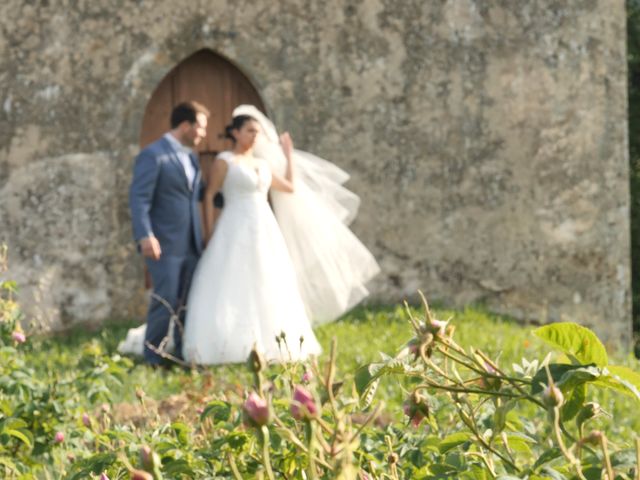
{"x":361,"y":336}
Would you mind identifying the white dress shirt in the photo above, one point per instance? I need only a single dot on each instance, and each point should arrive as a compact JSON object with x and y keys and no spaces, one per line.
{"x":183,"y":155}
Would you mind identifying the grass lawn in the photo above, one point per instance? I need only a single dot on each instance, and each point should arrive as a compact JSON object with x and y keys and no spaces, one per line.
{"x":361,"y":336}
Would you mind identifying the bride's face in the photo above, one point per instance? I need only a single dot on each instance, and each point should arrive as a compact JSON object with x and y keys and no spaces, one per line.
{"x":246,"y":135}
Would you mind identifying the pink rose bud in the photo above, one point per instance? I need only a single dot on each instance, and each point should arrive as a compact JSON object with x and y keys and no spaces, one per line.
{"x":257,"y":409}
{"x":307,"y":376}
{"x":140,"y":475}
{"x":147,"y":458}
{"x":59,"y":437}
{"x":86,"y":420}
{"x":437,"y":327}
{"x":303,"y":405}
{"x":199,"y":410}
{"x":18,"y":337}
{"x":103,"y":476}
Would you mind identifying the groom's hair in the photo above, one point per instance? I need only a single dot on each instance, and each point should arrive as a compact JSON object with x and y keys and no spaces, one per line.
{"x":186,"y":112}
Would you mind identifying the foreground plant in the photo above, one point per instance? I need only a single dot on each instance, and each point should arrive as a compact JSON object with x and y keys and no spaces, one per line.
{"x":496,"y":408}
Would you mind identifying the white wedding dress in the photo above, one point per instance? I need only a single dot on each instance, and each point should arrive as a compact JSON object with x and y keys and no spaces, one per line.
{"x":244,"y":290}
{"x":259,"y":277}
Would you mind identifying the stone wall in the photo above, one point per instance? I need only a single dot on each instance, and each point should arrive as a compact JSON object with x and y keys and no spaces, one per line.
{"x":487,"y":140}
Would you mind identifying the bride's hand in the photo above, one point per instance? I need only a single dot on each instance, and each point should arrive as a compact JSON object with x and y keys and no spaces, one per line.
{"x":287,"y":144}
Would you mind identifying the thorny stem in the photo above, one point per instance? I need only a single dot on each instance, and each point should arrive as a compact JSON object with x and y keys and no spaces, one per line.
{"x":331,"y":371}
{"x":471,"y":424}
{"x":567,"y":454}
{"x":467,"y":390}
{"x":484,"y":373}
{"x":394,"y":469}
{"x":485,"y":461}
{"x":516,"y":386}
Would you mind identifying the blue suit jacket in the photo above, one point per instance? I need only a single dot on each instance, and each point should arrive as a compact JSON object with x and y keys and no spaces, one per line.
{"x":161,"y":202}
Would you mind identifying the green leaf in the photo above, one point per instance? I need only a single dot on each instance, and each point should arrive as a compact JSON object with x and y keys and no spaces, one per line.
{"x":578,"y":342}
{"x":367,"y":377}
{"x":564,"y":376}
{"x":574,"y":402}
{"x":20,"y":435}
{"x":367,"y":381}
{"x":625,"y":373}
{"x":616,"y":382}
{"x":453,"y":440}
{"x":218,"y":410}
{"x":546,"y":457}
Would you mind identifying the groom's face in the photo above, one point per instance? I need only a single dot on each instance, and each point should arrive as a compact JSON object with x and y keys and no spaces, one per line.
{"x":195,"y":132}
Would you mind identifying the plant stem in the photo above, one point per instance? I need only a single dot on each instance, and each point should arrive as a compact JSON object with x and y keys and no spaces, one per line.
{"x":638,"y":458}
{"x":607,"y":459}
{"x":233,"y":466}
{"x":567,"y":454}
{"x":311,"y":442}
{"x":470,"y":423}
{"x":449,"y":388}
{"x":263,"y":433}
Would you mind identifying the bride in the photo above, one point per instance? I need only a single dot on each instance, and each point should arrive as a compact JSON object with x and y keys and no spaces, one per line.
{"x":259,"y":277}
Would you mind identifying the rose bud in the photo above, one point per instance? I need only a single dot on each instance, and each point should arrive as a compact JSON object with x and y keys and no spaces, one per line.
{"x":437,"y":327}
{"x":594,"y":438}
{"x":140,"y":475}
{"x":552,"y":396}
{"x":256,"y":410}
{"x":255,"y":362}
{"x":148,"y":458}
{"x":489,"y":383}
{"x":18,"y":337}
{"x":416,"y":408}
{"x":587,"y":412}
{"x":86,"y":420}
{"x":303,"y":404}
{"x":103,"y":476}
{"x":59,"y":437}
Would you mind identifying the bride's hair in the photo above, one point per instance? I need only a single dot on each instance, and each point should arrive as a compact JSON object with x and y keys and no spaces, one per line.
{"x":236,"y":124}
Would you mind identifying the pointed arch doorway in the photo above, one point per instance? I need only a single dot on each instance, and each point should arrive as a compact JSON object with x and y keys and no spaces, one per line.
{"x":210,"y":80}
{"x":206,"y":78}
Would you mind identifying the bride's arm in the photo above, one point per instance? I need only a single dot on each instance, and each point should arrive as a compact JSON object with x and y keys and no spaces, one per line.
{"x":215,"y":178}
{"x":285,"y":184}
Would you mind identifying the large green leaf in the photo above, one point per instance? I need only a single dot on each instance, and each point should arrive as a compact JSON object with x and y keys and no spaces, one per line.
{"x":565,"y":376}
{"x":453,"y":441}
{"x":625,"y":373}
{"x":578,"y":342}
{"x":621,"y":379}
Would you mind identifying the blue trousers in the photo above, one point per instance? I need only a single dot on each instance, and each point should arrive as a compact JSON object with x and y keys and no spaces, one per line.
{"x":171,"y":276}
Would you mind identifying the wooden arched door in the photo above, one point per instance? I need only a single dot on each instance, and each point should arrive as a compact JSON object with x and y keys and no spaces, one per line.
{"x":214,"y":82}
{"x":206,"y":78}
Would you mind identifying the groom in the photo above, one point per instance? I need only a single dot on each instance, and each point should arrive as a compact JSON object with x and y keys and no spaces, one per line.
{"x":166,"y":225}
